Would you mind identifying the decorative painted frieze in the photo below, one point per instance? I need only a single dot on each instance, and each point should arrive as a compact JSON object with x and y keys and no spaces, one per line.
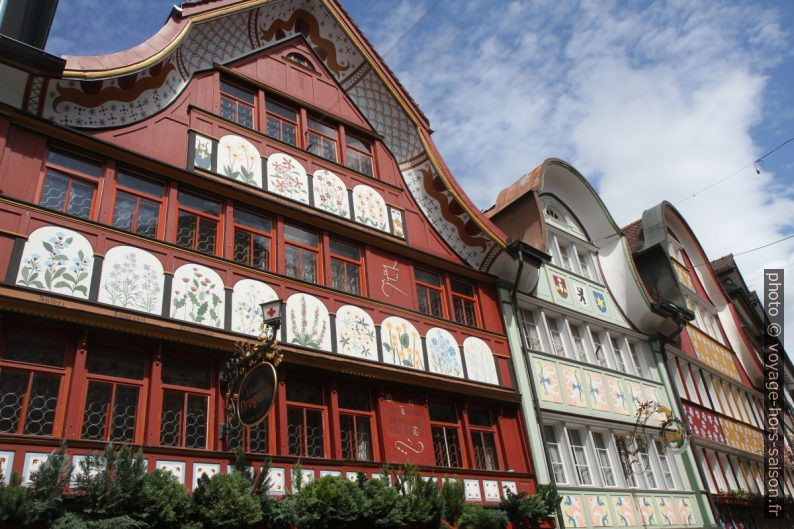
{"x":239,"y":160}
{"x":562,"y":288}
{"x":132,"y":279}
{"x":247,"y":295}
{"x":197,"y":295}
{"x":355,"y":333}
{"x":308,"y":324}
{"x":443,"y":353}
{"x":711,"y":353}
{"x":330,"y":193}
{"x":57,"y":260}
{"x":370,"y":208}
{"x":402,"y":345}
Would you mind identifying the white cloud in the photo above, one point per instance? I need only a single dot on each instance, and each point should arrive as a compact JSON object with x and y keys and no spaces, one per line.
{"x":650,"y":102}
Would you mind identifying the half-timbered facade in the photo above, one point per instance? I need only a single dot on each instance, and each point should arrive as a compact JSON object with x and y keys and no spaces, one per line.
{"x":249,"y":151}
{"x":581,"y":328}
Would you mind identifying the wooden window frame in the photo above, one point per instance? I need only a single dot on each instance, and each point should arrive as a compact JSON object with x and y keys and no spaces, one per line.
{"x":72,"y":174}
{"x":473,"y":299}
{"x":346,"y":147}
{"x":199,"y":214}
{"x":323,"y":136}
{"x":472,"y":429}
{"x":161,"y":201}
{"x":65,"y":372}
{"x":210,"y":393}
{"x":373,"y":424}
{"x":324,"y":410}
{"x":271,"y":237}
{"x":281,"y":119}
{"x":348,"y":261}
{"x":457,"y":426}
{"x":317,"y":250}
{"x":437,"y":288}
{"x":237,"y":102}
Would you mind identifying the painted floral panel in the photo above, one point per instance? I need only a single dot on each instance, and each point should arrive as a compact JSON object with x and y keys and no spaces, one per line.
{"x":573,"y":511}
{"x":599,"y":511}
{"x":355,"y":333}
{"x":509,"y":486}
{"x":58,"y":260}
{"x":202,"y":152}
{"x":277,"y":486}
{"x":247,"y":295}
{"x":308,"y":324}
{"x":199,"y":469}
{"x":197,"y":296}
{"x":6,"y":463}
{"x":443,"y":353}
{"x":652,"y":395}
{"x":636,"y":396}
{"x":647,"y":511}
{"x":176,"y":468}
{"x":287,"y":177}
{"x":330,"y":193}
{"x":491,"y":490}
{"x":397,"y":222}
{"x":624,"y":511}
{"x":547,"y":380}
{"x":471,"y":488}
{"x":402,"y":345}
{"x":480,"y":362}
{"x":33,"y":460}
{"x":239,"y":160}
{"x":369,"y":207}
{"x":686,"y":515}
{"x":574,"y":389}
{"x":666,"y":511}
{"x":132,"y":279}
{"x":597,"y":390}
{"x":618,"y":398}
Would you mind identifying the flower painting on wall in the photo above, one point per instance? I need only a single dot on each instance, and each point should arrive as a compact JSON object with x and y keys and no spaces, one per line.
{"x":370,"y":208}
{"x":57,"y":260}
{"x":599,"y":511}
{"x":355,"y":333}
{"x":197,"y":295}
{"x":239,"y":160}
{"x":307,"y":322}
{"x":443,"y":353}
{"x":330,"y":193}
{"x":132,"y":279}
{"x":402,"y":344}
{"x":247,"y":295}
{"x":287,"y":177}
{"x":480,"y":362}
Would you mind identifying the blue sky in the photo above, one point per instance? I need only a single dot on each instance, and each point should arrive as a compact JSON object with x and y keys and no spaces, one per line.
{"x":649,"y":100}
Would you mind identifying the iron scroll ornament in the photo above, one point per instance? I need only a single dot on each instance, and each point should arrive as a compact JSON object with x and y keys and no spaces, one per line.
{"x":673,"y":431}
{"x":261,"y":356}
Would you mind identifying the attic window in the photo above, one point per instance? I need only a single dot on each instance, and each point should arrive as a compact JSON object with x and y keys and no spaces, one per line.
{"x":297,"y":58}
{"x":553,"y":213}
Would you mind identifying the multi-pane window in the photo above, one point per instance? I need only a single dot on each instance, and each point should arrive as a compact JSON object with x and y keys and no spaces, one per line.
{"x":577,"y":336}
{"x":138,"y":204}
{"x":197,"y":224}
{"x":464,"y":303}
{"x":557,"y":345}
{"x":359,"y":154}
{"x":604,"y":460}
{"x":305,"y":421}
{"x":253,"y":236}
{"x":598,"y":351}
{"x":646,"y":467}
{"x":635,"y":357}
{"x":345,"y":267}
{"x":445,"y":428}
{"x":555,"y":454}
{"x":322,"y":139}
{"x":483,"y":439}
{"x":301,"y":249}
{"x":70,"y":184}
{"x":429,"y":293}
{"x":253,"y":439}
{"x":617,"y":348}
{"x":532,"y":332}
{"x":31,"y":375}
{"x":115,"y":382}
{"x":565,"y":256}
{"x":579,"y":457}
{"x":282,"y":122}
{"x":585,"y":265}
{"x":664,"y":465}
{"x":186,"y":397}
{"x":355,"y":424}
{"x":237,"y":105}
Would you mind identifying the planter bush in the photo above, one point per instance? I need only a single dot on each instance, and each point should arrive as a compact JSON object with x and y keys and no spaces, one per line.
{"x":226,"y":501}
{"x":476,"y":516}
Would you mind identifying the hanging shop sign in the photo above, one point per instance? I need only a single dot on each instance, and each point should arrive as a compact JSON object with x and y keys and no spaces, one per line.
{"x":256,"y":394}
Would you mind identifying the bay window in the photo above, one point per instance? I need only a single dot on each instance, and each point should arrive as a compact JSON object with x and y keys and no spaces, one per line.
{"x":138,"y":204}
{"x":445,"y":427}
{"x":70,"y":184}
{"x":198,"y":222}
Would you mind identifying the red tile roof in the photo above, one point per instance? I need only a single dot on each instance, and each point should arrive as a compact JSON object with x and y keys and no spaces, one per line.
{"x":635,"y":236}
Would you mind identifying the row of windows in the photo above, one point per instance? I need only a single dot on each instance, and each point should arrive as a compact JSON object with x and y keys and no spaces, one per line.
{"x":705,"y":319}
{"x":296,"y":126}
{"x":573,"y":257}
{"x":119,"y":389}
{"x":730,"y":473}
{"x":715,"y":393}
{"x":140,"y":205}
{"x":584,"y":456}
{"x":568,"y":338}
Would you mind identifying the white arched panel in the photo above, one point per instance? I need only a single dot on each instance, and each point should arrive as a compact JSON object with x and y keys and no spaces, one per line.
{"x":287,"y":177}
{"x":480,"y":363}
{"x":402,"y":345}
{"x":355,"y":333}
{"x":57,"y":260}
{"x":247,"y":295}
{"x":308,"y":323}
{"x":370,"y":208}
{"x":197,"y":295}
{"x":239,"y":160}
{"x":330,"y":193}
{"x":443,"y":353}
{"x":132,"y":279}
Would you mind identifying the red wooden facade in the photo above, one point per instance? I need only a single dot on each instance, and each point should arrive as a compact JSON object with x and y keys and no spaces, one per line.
{"x":80,"y":365}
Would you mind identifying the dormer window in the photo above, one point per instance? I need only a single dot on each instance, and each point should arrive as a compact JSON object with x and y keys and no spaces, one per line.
{"x":299,"y":59}
{"x":553,"y":213}
{"x":237,"y":105}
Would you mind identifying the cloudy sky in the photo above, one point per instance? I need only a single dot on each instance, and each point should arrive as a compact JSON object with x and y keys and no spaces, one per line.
{"x":649,"y":100}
